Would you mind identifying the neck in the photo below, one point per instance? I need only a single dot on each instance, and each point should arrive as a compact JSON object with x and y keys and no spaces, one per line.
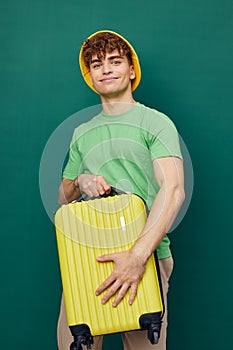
{"x":116,"y":105}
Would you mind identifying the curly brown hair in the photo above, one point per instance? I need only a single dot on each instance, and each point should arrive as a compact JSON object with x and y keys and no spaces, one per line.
{"x":103,"y":43}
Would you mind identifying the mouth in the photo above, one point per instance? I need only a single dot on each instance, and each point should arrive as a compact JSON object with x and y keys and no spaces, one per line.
{"x":107,"y":80}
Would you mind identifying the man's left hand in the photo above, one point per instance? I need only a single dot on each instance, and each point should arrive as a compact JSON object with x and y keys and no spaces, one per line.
{"x":128,"y":271}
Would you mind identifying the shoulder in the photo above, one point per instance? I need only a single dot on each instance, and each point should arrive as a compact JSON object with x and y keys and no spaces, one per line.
{"x":153,"y":118}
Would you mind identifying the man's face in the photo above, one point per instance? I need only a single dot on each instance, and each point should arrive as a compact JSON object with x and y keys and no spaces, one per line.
{"x":112,"y":75}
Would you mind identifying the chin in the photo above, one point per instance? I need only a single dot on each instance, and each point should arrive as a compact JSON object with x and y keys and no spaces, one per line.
{"x":112,"y":92}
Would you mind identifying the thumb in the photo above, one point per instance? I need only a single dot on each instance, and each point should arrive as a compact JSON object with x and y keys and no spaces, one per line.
{"x":106,"y":257}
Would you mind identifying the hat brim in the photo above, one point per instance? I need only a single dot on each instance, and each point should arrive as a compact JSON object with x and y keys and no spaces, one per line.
{"x":135,"y":61}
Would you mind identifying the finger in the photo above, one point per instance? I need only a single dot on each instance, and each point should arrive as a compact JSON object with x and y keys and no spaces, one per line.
{"x":93,"y":189}
{"x":91,"y":192}
{"x":114,"y":288}
{"x":88,"y":185}
{"x":106,"y":187}
{"x":120,"y":295}
{"x":100,"y":189}
{"x":133,"y":293}
{"x":105,"y":284}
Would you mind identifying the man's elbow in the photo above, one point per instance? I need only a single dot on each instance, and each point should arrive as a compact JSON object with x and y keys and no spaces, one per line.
{"x":176,"y":193}
{"x":179,"y":193}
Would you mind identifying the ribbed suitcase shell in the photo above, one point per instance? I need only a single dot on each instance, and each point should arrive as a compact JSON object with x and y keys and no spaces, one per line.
{"x":92,"y":228}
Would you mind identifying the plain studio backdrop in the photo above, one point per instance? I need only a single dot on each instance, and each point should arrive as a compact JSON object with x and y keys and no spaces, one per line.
{"x":186,"y":54}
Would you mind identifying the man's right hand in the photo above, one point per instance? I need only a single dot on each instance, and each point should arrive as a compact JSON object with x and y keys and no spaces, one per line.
{"x":93,"y":185}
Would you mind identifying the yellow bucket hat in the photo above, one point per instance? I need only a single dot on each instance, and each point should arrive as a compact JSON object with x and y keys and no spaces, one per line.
{"x":86,"y":71}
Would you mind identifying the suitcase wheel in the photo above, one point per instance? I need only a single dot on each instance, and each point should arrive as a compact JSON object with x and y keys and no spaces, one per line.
{"x":80,"y":343}
{"x":76,"y":346}
{"x":82,"y":337}
{"x":152,"y":322}
{"x":153,"y":337}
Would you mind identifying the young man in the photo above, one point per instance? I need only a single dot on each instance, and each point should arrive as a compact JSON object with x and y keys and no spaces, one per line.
{"x":136,"y":149}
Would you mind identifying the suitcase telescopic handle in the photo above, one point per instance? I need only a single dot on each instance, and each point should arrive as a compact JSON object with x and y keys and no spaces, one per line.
{"x":114,"y":191}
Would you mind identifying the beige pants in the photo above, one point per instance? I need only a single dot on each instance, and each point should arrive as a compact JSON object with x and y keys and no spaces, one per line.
{"x":136,"y":340}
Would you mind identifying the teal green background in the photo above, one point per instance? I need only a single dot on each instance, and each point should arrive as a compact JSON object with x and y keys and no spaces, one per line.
{"x":186,"y":54}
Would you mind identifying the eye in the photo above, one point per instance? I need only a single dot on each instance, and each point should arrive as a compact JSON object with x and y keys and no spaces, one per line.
{"x":116,"y":62}
{"x":96,"y":65}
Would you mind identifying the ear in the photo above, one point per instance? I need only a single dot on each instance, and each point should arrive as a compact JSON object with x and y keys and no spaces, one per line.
{"x":132,"y":72}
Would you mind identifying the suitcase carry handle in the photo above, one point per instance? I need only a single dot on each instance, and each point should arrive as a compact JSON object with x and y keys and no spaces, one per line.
{"x":114,"y":191}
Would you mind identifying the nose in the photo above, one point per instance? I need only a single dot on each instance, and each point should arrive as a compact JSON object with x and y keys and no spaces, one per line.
{"x":107,"y":67}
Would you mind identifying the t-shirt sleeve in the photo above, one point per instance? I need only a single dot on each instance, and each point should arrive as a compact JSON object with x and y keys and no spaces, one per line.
{"x":163,"y":139}
{"x":73,"y":166}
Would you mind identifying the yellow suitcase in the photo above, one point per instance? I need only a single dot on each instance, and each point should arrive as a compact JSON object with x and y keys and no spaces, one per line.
{"x":85,"y":230}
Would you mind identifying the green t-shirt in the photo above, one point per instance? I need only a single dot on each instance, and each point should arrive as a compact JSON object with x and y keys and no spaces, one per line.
{"x":121,"y":148}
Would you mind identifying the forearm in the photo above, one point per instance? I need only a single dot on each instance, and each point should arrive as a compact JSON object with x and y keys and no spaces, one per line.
{"x":163,"y":212}
{"x":130,"y":265}
{"x":68,"y":191}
